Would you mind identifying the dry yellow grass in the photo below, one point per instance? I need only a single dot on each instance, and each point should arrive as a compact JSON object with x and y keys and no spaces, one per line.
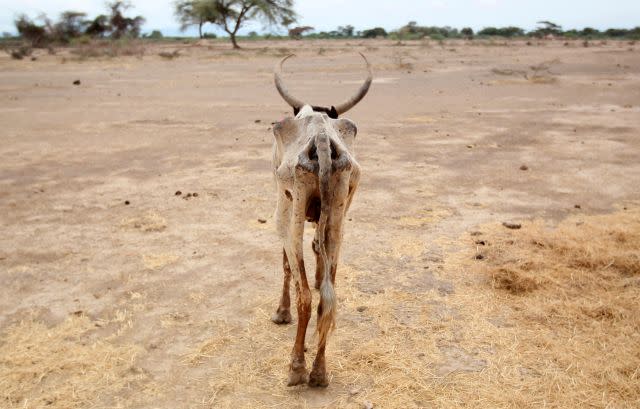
{"x":148,"y":222}
{"x":64,"y":366}
{"x":572,"y":293}
{"x":548,"y":318}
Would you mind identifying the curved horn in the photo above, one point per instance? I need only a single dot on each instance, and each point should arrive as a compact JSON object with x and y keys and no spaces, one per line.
{"x":282,"y":89}
{"x":350,"y":103}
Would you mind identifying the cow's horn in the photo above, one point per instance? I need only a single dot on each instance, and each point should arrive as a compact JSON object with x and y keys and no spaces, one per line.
{"x":351,"y":102}
{"x":282,"y":89}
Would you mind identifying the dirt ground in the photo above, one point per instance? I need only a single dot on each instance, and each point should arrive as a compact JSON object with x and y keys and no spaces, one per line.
{"x":116,"y":292}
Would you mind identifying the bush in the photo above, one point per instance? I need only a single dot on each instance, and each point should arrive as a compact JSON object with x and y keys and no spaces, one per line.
{"x":36,"y":34}
{"x":374,"y":32}
{"x":155,"y":35}
{"x":209,"y":35}
{"x":20,"y":52}
{"x":509,"y":32}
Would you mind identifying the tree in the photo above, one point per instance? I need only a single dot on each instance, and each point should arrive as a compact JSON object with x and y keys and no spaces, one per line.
{"x":99,"y":27}
{"x":231,"y":15}
{"x":467,"y":32}
{"x":194,"y":12}
{"x":120,"y":25}
{"x":374,"y":32}
{"x":71,"y":25}
{"x":297,"y":32}
{"x":589,"y":32}
{"x":36,"y":34}
{"x":548,"y":28}
{"x":502,"y":32}
{"x":346,"y":31}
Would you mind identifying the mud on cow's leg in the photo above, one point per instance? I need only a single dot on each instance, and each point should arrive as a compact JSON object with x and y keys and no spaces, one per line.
{"x":319,"y":266}
{"x":283,"y":314}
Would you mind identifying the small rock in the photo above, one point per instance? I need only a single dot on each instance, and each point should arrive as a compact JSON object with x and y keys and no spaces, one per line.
{"x":361,"y":308}
{"x":513,"y":226}
{"x":257,"y":121}
{"x":479,"y":257}
{"x":126,"y":202}
{"x":263,"y":221}
{"x":34,"y":58}
{"x":188,"y":195}
{"x":469,"y":146}
{"x":76,"y":82}
{"x":368,"y":405}
{"x":481,"y":242}
{"x":178,"y":193}
{"x":354,"y":391}
{"x":524,"y":167}
{"x":577,"y":206}
{"x":475,"y":233}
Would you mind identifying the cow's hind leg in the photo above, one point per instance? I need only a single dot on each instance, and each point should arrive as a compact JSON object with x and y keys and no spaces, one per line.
{"x":297,"y":369}
{"x":333,"y":240}
{"x":283,"y":314}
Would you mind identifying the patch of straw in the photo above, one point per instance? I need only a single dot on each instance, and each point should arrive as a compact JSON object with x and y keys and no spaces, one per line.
{"x":63,"y":367}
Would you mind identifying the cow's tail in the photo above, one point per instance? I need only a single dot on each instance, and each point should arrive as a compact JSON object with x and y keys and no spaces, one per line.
{"x":327,"y":308}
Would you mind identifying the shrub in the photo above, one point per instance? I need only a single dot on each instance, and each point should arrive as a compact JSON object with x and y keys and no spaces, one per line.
{"x":374,"y":32}
{"x":155,"y":35}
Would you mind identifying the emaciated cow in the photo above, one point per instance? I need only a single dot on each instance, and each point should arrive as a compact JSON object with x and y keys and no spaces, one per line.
{"x":316,"y":176}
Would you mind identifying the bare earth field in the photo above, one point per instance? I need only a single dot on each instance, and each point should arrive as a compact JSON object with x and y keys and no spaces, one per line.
{"x":117,"y":293}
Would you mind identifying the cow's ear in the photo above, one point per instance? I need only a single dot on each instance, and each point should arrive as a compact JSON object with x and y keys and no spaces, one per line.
{"x":333,"y":113}
{"x":346,"y":129}
{"x":285,"y":131}
{"x":295,"y":111}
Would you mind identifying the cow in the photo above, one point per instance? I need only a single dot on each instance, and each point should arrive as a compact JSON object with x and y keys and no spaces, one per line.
{"x":316,"y":176}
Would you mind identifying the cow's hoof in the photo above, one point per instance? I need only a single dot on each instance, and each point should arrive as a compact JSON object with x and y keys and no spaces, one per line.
{"x":297,"y":377}
{"x":281,"y":317}
{"x":318,"y":379}
{"x":317,"y":285}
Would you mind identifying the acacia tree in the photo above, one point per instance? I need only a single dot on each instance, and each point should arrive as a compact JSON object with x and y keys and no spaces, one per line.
{"x":120,"y":24}
{"x":297,"y":32}
{"x":231,"y":15}
{"x":71,"y":25}
{"x":548,"y":28}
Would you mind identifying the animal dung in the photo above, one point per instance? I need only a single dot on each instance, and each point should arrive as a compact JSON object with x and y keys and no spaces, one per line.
{"x":524,"y":167}
{"x":263,"y":221}
{"x":178,"y":193}
{"x":127,"y":203}
{"x":76,"y":82}
{"x":512,"y":226}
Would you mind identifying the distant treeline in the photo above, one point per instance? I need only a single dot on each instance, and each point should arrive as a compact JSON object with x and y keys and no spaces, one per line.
{"x":412,"y":31}
{"x":43,"y":32}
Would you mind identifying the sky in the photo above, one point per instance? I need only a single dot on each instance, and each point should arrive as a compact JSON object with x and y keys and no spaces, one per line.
{"x":326,"y":15}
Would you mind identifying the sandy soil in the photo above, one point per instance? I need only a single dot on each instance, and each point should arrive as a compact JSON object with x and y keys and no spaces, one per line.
{"x":178,"y":290}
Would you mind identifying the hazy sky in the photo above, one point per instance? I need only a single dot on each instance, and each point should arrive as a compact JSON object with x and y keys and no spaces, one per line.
{"x":326,"y":15}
